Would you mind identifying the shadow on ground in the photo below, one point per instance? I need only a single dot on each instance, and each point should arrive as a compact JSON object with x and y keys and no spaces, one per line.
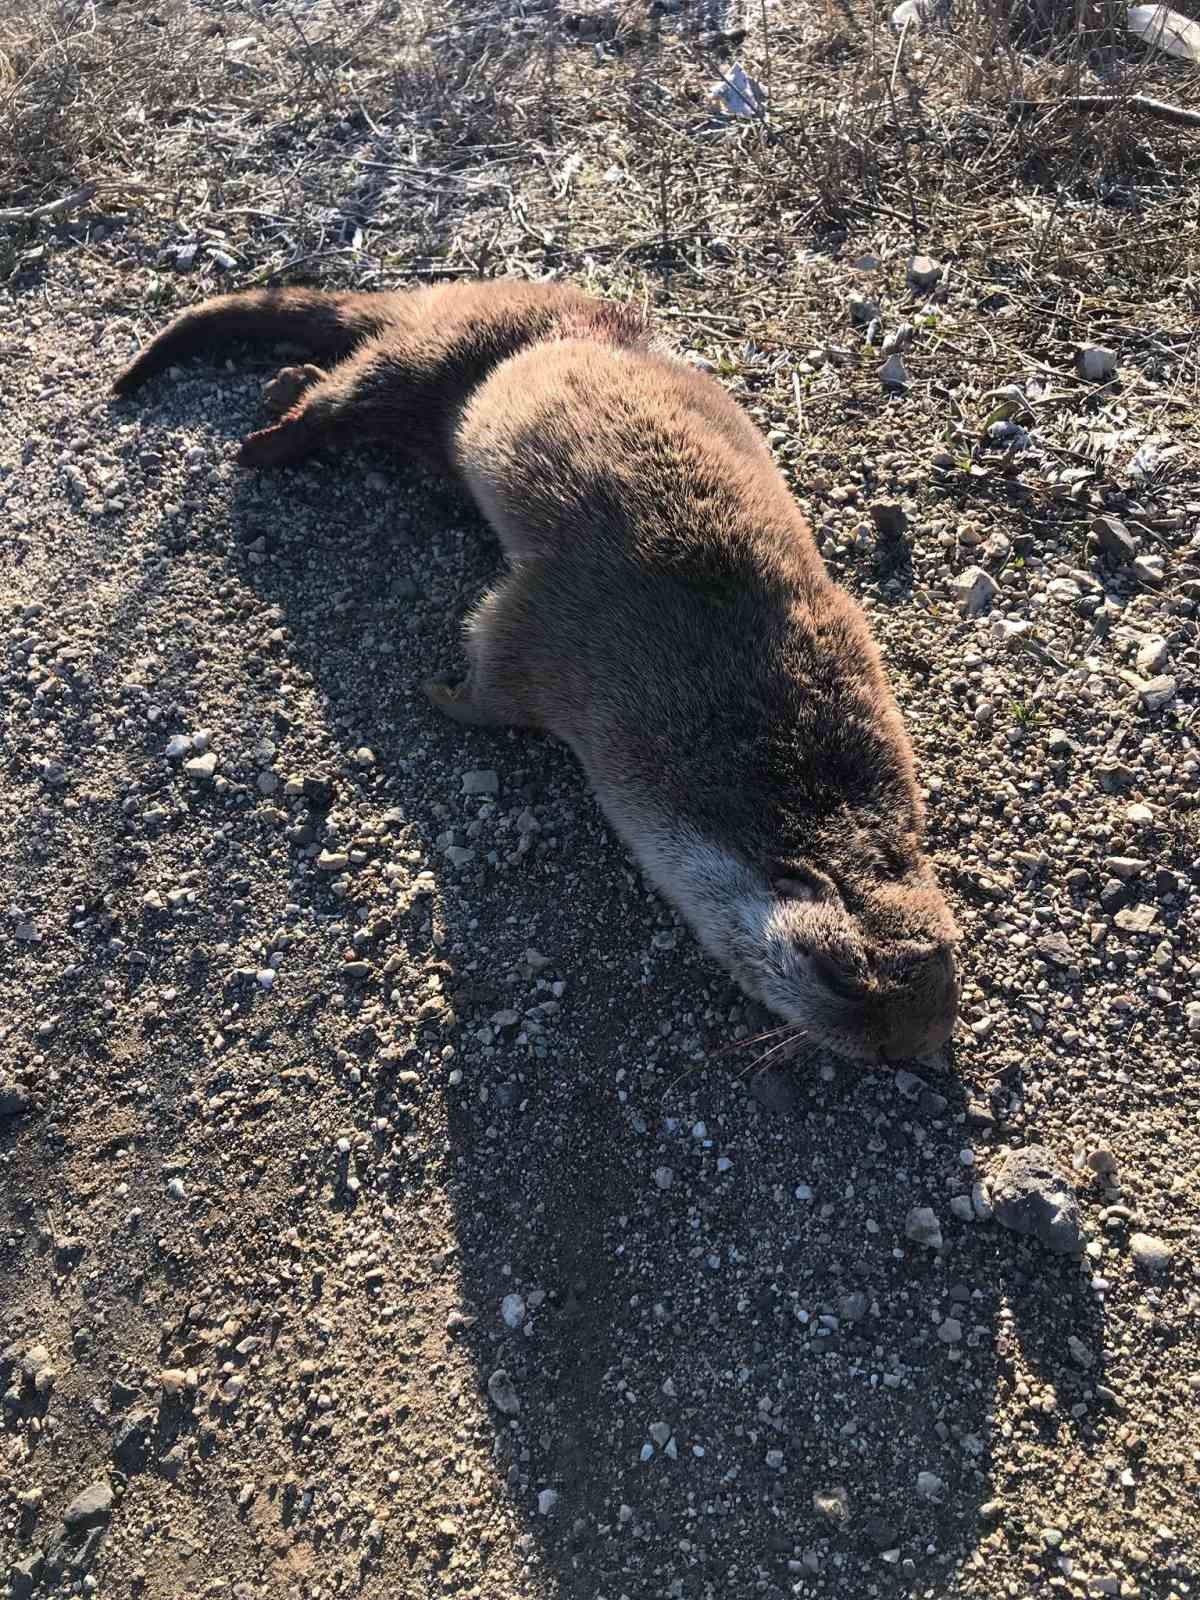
{"x":732,"y":1367}
{"x":732,"y":1372}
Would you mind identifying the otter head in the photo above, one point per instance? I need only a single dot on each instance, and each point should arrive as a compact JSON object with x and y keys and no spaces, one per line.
{"x":855,"y":944}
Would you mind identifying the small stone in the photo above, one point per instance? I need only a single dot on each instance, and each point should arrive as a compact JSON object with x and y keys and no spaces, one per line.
{"x":484,"y":781}
{"x":1150,"y":570}
{"x":447,"y":1528}
{"x":1112,"y":538}
{"x":502,"y":1394}
{"x":974,"y":590}
{"x":930,"y":1487}
{"x":172,"y":1381}
{"x":131,"y":1444}
{"x":893,"y":372}
{"x":961,"y":1207}
{"x":547,"y":1500}
{"x":1056,"y":949}
{"x":924,"y":274}
{"x":1136,"y":919}
{"x":1031,"y":1195}
{"x":1125,"y":867}
{"x":333,"y":861}
{"x":90,"y":1508}
{"x":774,"y":1460}
{"x":832,"y":1504}
{"x":459,"y":855}
{"x":1158,"y":692}
{"x":178,"y":746}
{"x":660,"y":1432}
{"x":1152,"y":1255}
{"x":176,"y":1189}
{"x":950,"y":1330}
{"x":862,"y":311}
{"x":664,"y":1177}
{"x":25,"y":1576}
{"x":512,"y":1311}
{"x":201,"y":767}
{"x":1096,"y":363}
{"x":922,"y":1227}
{"x":1081,"y":1353}
{"x":318,"y":791}
{"x":1152,"y":655}
{"x":853,"y":1307}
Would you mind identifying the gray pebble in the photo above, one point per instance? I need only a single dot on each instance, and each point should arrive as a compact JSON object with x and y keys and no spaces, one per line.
{"x":484,"y":781}
{"x":502,"y":1394}
{"x":93,"y":1506}
{"x":922,"y":1227}
{"x":1031,"y":1195}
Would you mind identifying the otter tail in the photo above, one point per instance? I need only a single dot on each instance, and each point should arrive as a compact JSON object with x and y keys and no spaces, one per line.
{"x":329,"y":325}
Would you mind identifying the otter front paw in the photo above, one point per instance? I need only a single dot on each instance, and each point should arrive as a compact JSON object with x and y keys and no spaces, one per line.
{"x":286,"y":387}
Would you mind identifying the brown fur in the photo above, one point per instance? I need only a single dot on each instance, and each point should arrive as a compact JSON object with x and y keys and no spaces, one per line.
{"x":666,"y":613}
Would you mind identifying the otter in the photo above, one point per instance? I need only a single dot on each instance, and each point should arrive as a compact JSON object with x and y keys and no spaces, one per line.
{"x":665,"y":612}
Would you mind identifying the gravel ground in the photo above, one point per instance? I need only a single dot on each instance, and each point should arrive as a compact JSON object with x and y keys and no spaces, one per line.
{"x":395,"y":1201}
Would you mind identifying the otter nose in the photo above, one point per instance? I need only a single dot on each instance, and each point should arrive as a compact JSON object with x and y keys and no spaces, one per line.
{"x":919,"y":1039}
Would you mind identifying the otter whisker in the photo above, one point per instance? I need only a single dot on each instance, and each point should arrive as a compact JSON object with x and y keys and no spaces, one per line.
{"x":775,"y":1052}
{"x":752,"y":1039}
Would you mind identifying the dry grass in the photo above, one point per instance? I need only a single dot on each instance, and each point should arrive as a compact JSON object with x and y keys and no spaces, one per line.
{"x":364,"y":143}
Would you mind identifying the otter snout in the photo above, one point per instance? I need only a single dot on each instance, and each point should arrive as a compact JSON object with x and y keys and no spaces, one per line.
{"x":920,"y":1017}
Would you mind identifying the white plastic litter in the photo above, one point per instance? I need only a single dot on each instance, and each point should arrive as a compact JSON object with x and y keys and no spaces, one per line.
{"x":738,"y":94}
{"x":1165,"y":30}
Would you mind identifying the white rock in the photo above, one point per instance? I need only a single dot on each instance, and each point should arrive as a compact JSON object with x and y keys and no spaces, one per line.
{"x":862,"y":310}
{"x":923,"y":273}
{"x":512,"y":1311}
{"x":1151,"y":570}
{"x":1152,"y":655}
{"x":178,"y":746}
{"x":1158,"y":692}
{"x":1096,"y":363}
{"x":547,"y":1500}
{"x":930,"y":1486}
{"x":974,"y":590}
{"x":202,"y":767}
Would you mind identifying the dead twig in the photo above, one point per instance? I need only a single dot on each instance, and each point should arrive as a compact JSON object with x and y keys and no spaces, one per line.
{"x":908,"y":179}
{"x":53,"y":210}
{"x":1181,"y":116}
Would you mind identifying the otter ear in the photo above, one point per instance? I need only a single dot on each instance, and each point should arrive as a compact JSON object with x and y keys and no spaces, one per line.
{"x":793,"y":889}
{"x":794,"y":880}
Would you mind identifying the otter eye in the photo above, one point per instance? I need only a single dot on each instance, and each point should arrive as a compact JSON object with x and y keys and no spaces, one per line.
{"x":836,"y":979}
